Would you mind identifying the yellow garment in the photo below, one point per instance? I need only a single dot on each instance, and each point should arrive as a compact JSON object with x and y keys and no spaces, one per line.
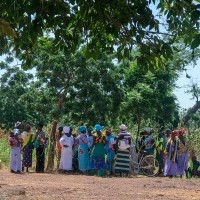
{"x":99,"y":139}
{"x":26,"y":138}
{"x":160,"y":144}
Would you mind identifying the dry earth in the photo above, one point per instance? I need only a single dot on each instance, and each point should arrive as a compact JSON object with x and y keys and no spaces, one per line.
{"x":56,"y":186}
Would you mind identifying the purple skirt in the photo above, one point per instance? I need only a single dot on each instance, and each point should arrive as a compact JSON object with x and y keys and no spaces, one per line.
{"x":182,"y":163}
{"x":170,"y":167}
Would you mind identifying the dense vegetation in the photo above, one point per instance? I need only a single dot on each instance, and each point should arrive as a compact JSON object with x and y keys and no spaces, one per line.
{"x":96,"y":61}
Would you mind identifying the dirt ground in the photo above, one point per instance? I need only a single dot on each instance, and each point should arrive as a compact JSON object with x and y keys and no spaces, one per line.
{"x":57,"y":186}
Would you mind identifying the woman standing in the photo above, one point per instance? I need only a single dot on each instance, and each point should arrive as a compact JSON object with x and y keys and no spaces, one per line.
{"x":15,"y":149}
{"x":123,"y":142}
{"x":40,"y":144}
{"x":66,"y":142}
{"x":172,"y":155}
{"x":97,"y":160}
{"x":83,"y":154}
{"x":182,"y":154}
{"x":27,"y":148}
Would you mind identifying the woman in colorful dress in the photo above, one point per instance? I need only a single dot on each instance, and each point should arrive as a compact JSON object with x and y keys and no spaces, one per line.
{"x":182,"y":154}
{"x":15,"y":141}
{"x":83,"y":154}
{"x":171,"y":150}
{"x":97,"y":160}
{"x":109,"y":150}
{"x":122,"y":160}
{"x":40,"y":143}
{"x":27,"y":147}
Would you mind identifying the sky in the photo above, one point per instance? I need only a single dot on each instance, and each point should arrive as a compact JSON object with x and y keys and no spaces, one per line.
{"x":184,"y":99}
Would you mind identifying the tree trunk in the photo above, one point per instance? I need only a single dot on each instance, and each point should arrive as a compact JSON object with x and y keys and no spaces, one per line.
{"x":52,"y":141}
{"x":191,"y":112}
{"x":138,"y":128}
{"x":51,"y":150}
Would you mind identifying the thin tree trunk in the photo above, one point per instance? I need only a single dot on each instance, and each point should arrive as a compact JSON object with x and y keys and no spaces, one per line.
{"x":191,"y":112}
{"x":138,"y":128}
{"x":52,"y":141}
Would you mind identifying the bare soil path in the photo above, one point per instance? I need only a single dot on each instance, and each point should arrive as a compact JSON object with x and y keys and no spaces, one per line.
{"x":56,"y":186}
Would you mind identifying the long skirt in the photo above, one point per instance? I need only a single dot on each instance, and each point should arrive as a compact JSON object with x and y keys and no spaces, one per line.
{"x":182,"y":163}
{"x":83,"y":157}
{"x":40,"y":157}
{"x":109,"y":159}
{"x":97,"y":160}
{"x":170,"y":167}
{"x":122,"y":161}
{"x":15,"y":158}
{"x":66,"y":159}
{"x":27,"y":156}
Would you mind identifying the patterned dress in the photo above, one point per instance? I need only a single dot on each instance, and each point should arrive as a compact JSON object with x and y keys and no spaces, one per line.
{"x":27,"y":149}
{"x":15,"y":151}
{"x":171,"y":159}
{"x":97,"y":160}
{"x":83,"y":154}
{"x":122,"y":160}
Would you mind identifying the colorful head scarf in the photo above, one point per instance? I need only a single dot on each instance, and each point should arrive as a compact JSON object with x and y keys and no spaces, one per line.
{"x":98,"y":127}
{"x":82,"y":129}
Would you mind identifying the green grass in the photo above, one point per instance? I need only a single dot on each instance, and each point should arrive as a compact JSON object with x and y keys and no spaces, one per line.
{"x":4,"y":150}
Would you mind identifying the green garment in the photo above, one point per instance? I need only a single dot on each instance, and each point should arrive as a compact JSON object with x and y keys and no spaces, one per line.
{"x":98,"y":150}
{"x":160,"y":143}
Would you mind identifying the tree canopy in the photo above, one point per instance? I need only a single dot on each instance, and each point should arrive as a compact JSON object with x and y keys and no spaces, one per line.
{"x":110,"y":26}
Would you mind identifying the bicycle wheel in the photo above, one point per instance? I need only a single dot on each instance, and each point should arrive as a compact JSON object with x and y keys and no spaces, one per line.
{"x":149,"y":166}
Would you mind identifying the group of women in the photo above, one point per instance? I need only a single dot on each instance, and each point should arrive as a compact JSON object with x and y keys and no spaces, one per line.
{"x":24,"y":143}
{"x":93,"y":151}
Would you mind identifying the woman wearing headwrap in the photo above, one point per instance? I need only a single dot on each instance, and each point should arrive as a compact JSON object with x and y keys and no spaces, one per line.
{"x":97,"y":160}
{"x":15,"y":149}
{"x":83,"y":154}
{"x":66,"y":142}
{"x":27,"y":147}
{"x":182,"y":154}
{"x":123,"y":141}
{"x":40,"y":143}
{"x":171,"y":150}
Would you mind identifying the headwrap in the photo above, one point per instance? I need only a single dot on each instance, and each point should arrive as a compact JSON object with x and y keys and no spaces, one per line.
{"x":66,"y":129}
{"x":122,"y":127}
{"x":18,"y":123}
{"x":182,"y":131}
{"x":175,"y":132}
{"x":98,"y":127}
{"x":82,"y":128}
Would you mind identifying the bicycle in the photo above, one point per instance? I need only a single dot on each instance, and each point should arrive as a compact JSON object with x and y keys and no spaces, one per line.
{"x":147,"y":165}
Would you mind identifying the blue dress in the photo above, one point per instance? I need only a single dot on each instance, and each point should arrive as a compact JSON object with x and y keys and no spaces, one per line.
{"x":83,"y":154}
{"x":109,"y":151}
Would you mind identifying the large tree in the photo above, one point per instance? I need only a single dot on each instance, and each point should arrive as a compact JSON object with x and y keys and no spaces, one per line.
{"x":79,"y":89}
{"x":103,"y":25}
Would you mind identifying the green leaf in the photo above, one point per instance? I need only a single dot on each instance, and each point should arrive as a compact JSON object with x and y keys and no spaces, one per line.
{"x":196,"y":41}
